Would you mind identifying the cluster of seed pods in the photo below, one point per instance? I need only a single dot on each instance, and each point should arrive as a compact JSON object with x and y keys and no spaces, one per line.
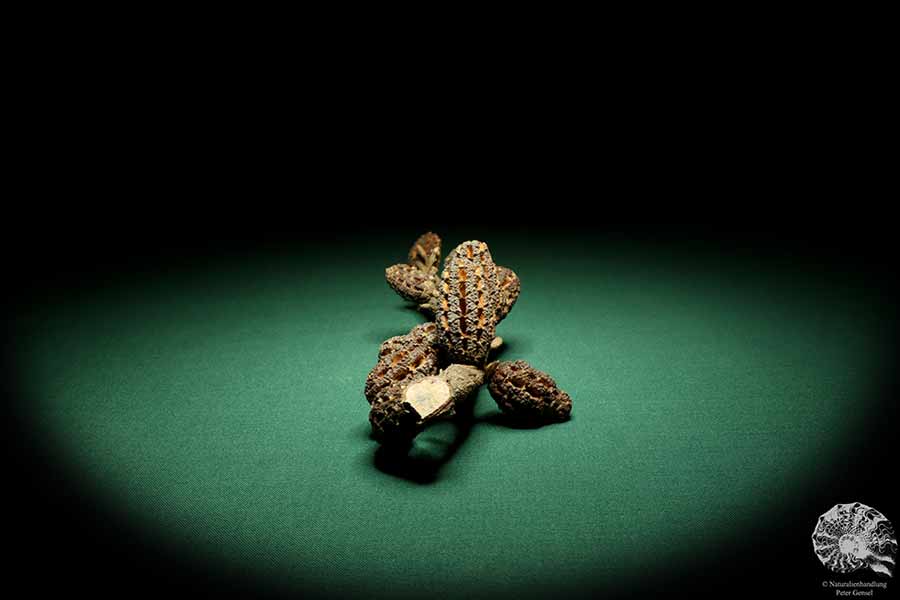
{"x":423,"y":375}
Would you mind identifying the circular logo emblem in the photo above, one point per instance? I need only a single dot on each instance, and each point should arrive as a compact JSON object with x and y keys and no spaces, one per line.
{"x":853,"y":536}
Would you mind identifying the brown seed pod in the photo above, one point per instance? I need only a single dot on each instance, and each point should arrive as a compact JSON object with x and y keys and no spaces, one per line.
{"x":510,"y":286}
{"x":401,"y":359}
{"x":525,"y":393}
{"x":402,"y":416}
{"x":466,"y":303}
{"x":411,"y":283}
{"x":425,"y":253}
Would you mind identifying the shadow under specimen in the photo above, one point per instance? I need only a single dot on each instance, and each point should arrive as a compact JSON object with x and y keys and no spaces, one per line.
{"x":421,"y":460}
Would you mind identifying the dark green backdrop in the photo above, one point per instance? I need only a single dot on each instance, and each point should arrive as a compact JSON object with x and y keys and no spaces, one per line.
{"x":217,"y":408}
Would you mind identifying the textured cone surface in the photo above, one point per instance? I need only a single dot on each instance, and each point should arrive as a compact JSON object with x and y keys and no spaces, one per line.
{"x":425,"y":253}
{"x":510,"y":286}
{"x":393,"y":421}
{"x":411,"y":283}
{"x":466,"y":303}
{"x":402,"y":359}
{"x":523,"y":392}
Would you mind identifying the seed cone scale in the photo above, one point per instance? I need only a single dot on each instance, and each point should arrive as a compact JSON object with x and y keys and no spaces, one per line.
{"x":411,"y":283}
{"x":466,"y":303}
{"x":526,"y":393}
{"x":427,"y":398}
{"x":510,"y":286}
{"x":400,"y":360}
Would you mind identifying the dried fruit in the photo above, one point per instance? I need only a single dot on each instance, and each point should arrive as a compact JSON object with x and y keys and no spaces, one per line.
{"x":401,"y":359}
{"x":411,"y":283}
{"x":425,"y":253}
{"x":399,"y":418}
{"x":407,"y":388}
{"x":467,"y":303}
{"x":523,"y":392}
{"x":417,"y":280}
{"x":509,"y":291}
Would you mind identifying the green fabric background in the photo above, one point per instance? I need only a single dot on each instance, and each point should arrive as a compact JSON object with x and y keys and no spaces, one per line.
{"x":220,"y":408}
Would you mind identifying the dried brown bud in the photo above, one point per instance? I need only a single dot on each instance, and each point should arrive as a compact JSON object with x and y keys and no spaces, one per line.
{"x":425,"y":253}
{"x":466,"y":303}
{"x":523,"y":392}
{"x":400,"y":360}
{"x":411,"y":283}
{"x":509,"y":291}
